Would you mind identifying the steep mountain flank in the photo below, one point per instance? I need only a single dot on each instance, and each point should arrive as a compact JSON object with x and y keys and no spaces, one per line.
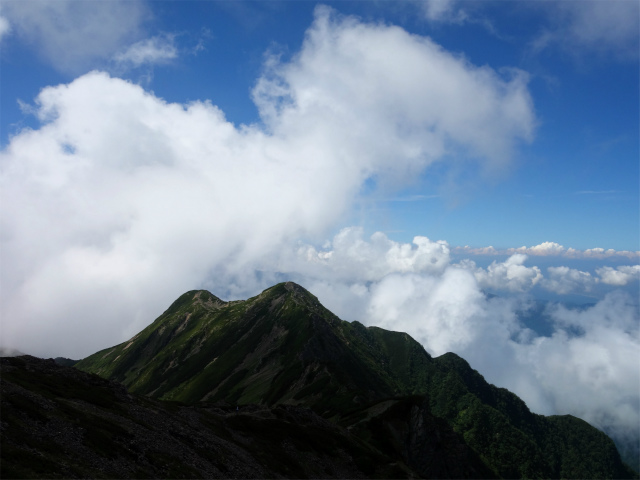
{"x":283,"y":347}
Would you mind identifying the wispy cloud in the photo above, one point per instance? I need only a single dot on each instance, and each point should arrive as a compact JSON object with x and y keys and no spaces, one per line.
{"x":453,"y":12}
{"x":151,"y":51}
{"x":448,"y":11}
{"x":412,"y":198}
{"x":5,"y":27}
{"x":74,"y":36}
{"x":596,"y":192}
{"x":606,"y":28}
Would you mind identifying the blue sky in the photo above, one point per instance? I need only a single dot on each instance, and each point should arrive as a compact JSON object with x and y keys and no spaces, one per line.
{"x":433,"y":167}
{"x":575,"y":182}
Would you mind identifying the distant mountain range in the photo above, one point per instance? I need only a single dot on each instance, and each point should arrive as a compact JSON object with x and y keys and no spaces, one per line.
{"x":281,"y":382}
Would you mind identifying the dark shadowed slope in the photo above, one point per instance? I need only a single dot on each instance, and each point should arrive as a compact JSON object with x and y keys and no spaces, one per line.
{"x":58,"y":422}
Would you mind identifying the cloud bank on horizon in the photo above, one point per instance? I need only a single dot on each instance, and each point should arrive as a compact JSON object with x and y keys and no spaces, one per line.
{"x":550,"y":249}
{"x":586,"y":365}
{"x":119,"y":201}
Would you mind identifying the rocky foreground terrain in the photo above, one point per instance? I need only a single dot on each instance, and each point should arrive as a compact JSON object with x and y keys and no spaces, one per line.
{"x":59,"y":422}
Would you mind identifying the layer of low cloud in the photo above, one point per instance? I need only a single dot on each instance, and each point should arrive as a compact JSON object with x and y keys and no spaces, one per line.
{"x":512,"y":275}
{"x":586,"y":366}
{"x":597,"y":368}
{"x":564,"y":280}
{"x":550,"y":249}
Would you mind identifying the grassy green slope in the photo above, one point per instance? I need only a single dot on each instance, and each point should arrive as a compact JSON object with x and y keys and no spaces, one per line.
{"x":280,"y":346}
{"x":513,"y":441}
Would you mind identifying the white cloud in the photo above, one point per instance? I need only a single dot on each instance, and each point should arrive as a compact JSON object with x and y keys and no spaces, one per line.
{"x":73,"y":35}
{"x":619,"y":276}
{"x":439,"y":312}
{"x":565,"y":280}
{"x":587,"y":367}
{"x":430,"y":100}
{"x":120,"y":201}
{"x":353,"y":258}
{"x":154,"y":50}
{"x":545,"y":248}
{"x":510,"y":275}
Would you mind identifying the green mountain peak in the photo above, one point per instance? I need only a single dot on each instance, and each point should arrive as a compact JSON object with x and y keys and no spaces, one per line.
{"x":282,"y":347}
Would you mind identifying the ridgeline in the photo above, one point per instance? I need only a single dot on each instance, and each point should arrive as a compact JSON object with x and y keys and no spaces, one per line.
{"x":281,"y":382}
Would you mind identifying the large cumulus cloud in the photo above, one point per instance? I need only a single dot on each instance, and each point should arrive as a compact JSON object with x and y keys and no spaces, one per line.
{"x":120,"y":200}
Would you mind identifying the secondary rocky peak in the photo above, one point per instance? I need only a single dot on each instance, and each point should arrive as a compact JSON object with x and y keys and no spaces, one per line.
{"x":195,"y":297}
{"x":292,"y":290}
{"x":287,"y":287}
{"x":295,"y":288}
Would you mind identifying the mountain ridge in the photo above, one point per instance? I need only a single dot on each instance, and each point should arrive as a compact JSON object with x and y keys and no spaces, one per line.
{"x":282,"y":347}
